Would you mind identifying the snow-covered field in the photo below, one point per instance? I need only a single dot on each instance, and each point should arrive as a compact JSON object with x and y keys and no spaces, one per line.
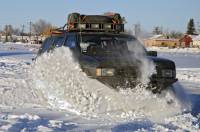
{"x":45,"y":96}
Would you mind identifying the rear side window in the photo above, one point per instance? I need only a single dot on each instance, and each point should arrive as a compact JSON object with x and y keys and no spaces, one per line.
{"x":56,"y":42}
{"x":45,"y":45}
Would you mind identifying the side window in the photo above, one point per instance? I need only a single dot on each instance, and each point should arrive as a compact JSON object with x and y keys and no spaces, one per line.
{"x":71,"y":41}
{"x":45,"y":46}
{"x":56,"y":42}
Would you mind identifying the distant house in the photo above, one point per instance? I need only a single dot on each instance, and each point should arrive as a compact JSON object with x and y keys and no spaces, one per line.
{"x":196,"y":41}
{"x":161,"y":41}
{"x":186,"y":41}
{"x":152,"y":40}
{"x":167,"y":42}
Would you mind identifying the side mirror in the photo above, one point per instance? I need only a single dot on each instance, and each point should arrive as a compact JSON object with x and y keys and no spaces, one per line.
{"x":152,"y":53}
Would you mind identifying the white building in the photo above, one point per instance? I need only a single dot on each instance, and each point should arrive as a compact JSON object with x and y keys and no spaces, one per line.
{"x":24,"y":39}
{"x":196,"y":41}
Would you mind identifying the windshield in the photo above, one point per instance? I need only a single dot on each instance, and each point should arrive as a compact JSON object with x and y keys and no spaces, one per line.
{"x":110,"y":45}
{"x":50,"y":43}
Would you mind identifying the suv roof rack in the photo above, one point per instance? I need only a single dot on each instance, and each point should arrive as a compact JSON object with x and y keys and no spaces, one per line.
{"x":102,"y":23}
{"x":110,"y":22}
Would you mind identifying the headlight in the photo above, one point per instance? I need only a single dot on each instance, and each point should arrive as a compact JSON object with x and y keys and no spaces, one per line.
{"x":167,"y":73}
{"x":105,"y":72}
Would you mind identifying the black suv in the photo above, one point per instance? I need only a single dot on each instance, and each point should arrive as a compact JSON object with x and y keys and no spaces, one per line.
{"x":107,"y":54}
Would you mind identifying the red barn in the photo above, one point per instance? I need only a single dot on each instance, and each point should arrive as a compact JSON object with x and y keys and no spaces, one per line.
{"x":186,"y":41}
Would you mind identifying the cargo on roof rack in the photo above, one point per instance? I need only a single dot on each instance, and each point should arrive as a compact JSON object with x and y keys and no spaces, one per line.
{"x":97,"y":23}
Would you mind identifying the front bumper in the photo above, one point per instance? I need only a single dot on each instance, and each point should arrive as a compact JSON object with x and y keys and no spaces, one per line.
{"x":156,"y":84}
{"x":119,"y":82}
{"x":162,"y":83}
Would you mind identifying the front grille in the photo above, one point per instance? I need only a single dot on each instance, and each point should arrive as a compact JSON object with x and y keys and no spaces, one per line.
{"x":159,"y":73}
{"x":126,"y":72}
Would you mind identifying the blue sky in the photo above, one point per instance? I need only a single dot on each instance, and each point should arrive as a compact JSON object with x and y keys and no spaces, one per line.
{"x":171,"y":14}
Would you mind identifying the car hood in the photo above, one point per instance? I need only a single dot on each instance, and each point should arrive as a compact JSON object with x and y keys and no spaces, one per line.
{"x":110,"y":61}
{"x":121,"y":61}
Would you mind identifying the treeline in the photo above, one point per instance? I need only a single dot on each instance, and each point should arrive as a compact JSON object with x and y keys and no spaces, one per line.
{"x":42,"y":28}
{"x":191,"y":29}
{"x":38,"y":28}
{"x":166,"y":32}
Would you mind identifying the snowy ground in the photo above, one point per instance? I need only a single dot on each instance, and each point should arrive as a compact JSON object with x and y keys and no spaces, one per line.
{"x":27,"y":105}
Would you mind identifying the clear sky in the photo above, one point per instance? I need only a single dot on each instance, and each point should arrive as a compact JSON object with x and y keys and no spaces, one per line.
{"x":172,"y":14}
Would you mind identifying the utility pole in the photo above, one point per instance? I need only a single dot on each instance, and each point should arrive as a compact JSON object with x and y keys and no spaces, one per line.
{"x":30,"y":30}
{"x":6,"y":28}
{"x":22,"y":33}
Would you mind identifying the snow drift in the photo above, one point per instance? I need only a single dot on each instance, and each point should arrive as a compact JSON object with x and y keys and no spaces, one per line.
{"x":14,"y":90}
{"x":17,"y":89}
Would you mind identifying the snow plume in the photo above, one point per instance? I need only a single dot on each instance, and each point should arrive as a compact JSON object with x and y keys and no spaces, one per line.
{"x":58,"y":76}
{"x":181,"y":95}
{"x":146,"y":67}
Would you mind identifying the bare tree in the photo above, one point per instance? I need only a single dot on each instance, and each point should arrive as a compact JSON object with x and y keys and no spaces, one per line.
{"x":175,"y":34}
{"x":40,"y":27}
{"x":8,"y":31}
{"x":16,"y":31}
{"x":157,"y":30}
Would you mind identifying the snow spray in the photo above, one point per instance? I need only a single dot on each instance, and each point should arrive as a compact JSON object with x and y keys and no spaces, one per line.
{"x":61,"y":81}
